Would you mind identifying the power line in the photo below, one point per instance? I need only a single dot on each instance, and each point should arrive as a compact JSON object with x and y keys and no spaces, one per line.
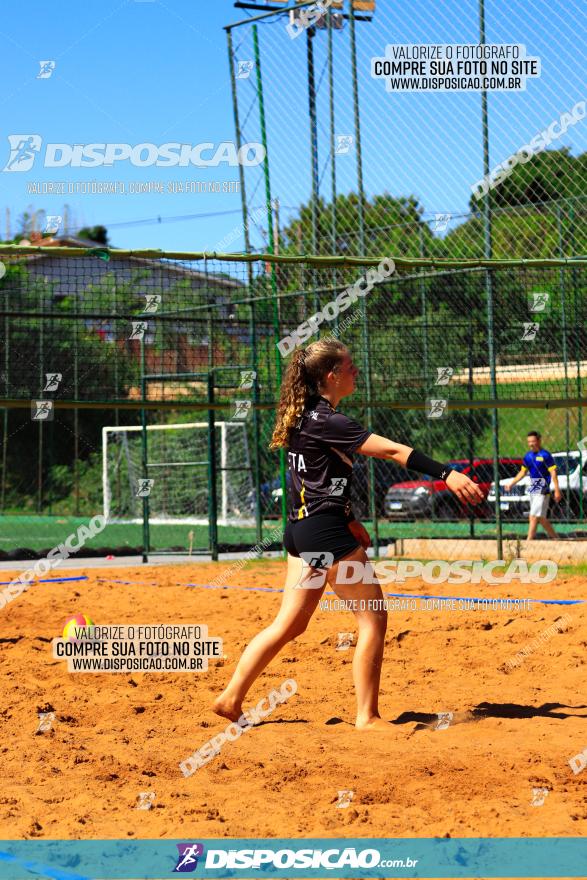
{"x":174,"y":219}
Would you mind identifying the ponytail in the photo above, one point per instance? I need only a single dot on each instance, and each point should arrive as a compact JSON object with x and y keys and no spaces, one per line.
{"x":303,"y":379}
{"x":294,"y":393}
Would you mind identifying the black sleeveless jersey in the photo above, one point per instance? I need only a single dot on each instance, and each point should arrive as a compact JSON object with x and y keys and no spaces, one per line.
{"x":320,"y":461}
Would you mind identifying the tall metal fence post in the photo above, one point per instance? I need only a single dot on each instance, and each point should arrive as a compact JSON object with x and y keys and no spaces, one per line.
{"x":357,"y":119}
{"x":363,"y":251}
{"x":276,"y":315}
{"x":424,"y":310}
{"x":494,"y":412}
{"x":5,"y":410}
{"x":471,"y":418}
{"x":4,"y":455}
{"x":212,"y":498}
{"x":76,"y":422}
{"x":488,"y":249}
{"x":144,"y":456}
{"x":117,"y":394}
{"x":40,"y":445}
{"x":253,"y":323}
{"x":238,"y":136}
{"x":256,"y":421}
{"x":565,"y":352}
{"x":310,"y":32}
{"x":333,"y":217}
{"x":209,"y":317}
{"x":578,"y":330}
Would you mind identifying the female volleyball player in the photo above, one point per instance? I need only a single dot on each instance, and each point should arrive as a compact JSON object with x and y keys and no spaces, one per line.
{"x":320,"y":443}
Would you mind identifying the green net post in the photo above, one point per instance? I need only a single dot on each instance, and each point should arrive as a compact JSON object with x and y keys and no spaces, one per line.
{"x":363,"y":251}
{"x":357,"y":119}
{"x":276,"y":317}
{"x":144,"y":454}
{"x":256,"y":423}
{"x":40,"y":437}
{"x":488,"y":251}
{"x":333,"y":217}
{"x":212,"y":472}
{"x":494,"y":411}
{"x":471,"y":417}
{"x":76,"y":422}
{"x":117,"y":394}
{"x":238,"y":135}
{"x":564,"y":350}
{"x":579,"y":318}
{"x":310,"y":33}
{"x":424,"y":310}
{"x":5,"y":410}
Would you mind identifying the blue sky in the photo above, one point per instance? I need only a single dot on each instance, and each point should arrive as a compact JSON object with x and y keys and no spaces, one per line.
{"x":156,"y":72}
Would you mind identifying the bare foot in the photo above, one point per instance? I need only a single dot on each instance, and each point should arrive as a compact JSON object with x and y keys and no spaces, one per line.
{"x":374,"y":723}
{"x":227,"y":708}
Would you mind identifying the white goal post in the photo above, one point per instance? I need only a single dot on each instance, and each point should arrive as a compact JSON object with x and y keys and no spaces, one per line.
{"x":178,"y":476}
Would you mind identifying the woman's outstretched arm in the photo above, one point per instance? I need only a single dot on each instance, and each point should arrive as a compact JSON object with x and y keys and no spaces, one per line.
{"x":380,"y":447}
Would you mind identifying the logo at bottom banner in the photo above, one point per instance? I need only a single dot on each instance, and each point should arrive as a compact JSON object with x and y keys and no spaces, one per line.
{"x":188,"y":857}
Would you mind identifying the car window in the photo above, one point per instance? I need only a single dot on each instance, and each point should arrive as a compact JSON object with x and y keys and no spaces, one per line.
{"x":563,"y":463}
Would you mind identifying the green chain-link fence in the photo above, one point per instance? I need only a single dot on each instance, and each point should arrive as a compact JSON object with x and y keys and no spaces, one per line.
{"x":397,"y":171}
{"x":123,"y":374}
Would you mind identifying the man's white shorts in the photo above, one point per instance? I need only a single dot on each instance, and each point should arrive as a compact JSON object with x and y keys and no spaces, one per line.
{"x":539,"y":505}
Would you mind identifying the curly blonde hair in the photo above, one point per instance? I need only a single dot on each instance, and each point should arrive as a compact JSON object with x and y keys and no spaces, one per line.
{"x":303,"y":379}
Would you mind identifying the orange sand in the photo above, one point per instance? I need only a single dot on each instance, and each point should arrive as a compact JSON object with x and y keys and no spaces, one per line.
{"x":120,"y":734}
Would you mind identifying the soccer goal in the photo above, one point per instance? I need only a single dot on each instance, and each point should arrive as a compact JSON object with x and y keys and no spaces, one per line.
{"x":178,"y":467}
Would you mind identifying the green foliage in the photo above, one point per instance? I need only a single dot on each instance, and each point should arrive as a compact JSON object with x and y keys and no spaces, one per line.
{"x":99,"y":234}
{"x":61,"y":496}
{"x":548,"y":177}
{"x":393,"y":227}
{"x":538,"y":211}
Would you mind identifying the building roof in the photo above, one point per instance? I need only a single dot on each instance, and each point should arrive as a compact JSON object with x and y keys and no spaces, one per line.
{"x":170,"y":266}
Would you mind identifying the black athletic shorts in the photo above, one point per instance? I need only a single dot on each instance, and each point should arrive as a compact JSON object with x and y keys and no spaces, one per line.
{"x":322,"y":532}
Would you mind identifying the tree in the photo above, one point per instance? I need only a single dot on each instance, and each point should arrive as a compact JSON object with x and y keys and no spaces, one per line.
{"x":547,"y":177}
{"x":99,"y":234}
{"x":393,"y":226}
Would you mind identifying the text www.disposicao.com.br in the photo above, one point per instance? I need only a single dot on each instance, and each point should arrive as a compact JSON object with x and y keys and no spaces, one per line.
{"x":135,"y":664}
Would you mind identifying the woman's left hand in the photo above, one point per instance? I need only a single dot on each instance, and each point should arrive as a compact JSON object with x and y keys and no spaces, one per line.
{"x":465,"y":489}
{"x":360,"y":533}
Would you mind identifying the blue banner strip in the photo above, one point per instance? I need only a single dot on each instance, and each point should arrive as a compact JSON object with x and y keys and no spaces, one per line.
{"x":290,"y":858}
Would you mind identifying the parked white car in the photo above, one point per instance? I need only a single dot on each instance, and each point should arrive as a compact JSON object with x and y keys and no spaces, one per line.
{"x":572,"y":474}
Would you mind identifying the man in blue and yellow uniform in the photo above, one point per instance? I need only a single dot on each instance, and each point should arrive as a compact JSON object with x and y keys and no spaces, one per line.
{"x":539,"y":464}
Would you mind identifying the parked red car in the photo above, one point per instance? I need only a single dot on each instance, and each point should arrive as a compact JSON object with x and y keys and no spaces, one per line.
{"x":429,"y":498}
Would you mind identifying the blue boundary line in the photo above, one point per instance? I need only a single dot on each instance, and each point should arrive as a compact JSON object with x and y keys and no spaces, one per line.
{"x":404,"y":595}
{"x":328,"y":592}
{"x":492,"y":599}
{"x":82,"y":577}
